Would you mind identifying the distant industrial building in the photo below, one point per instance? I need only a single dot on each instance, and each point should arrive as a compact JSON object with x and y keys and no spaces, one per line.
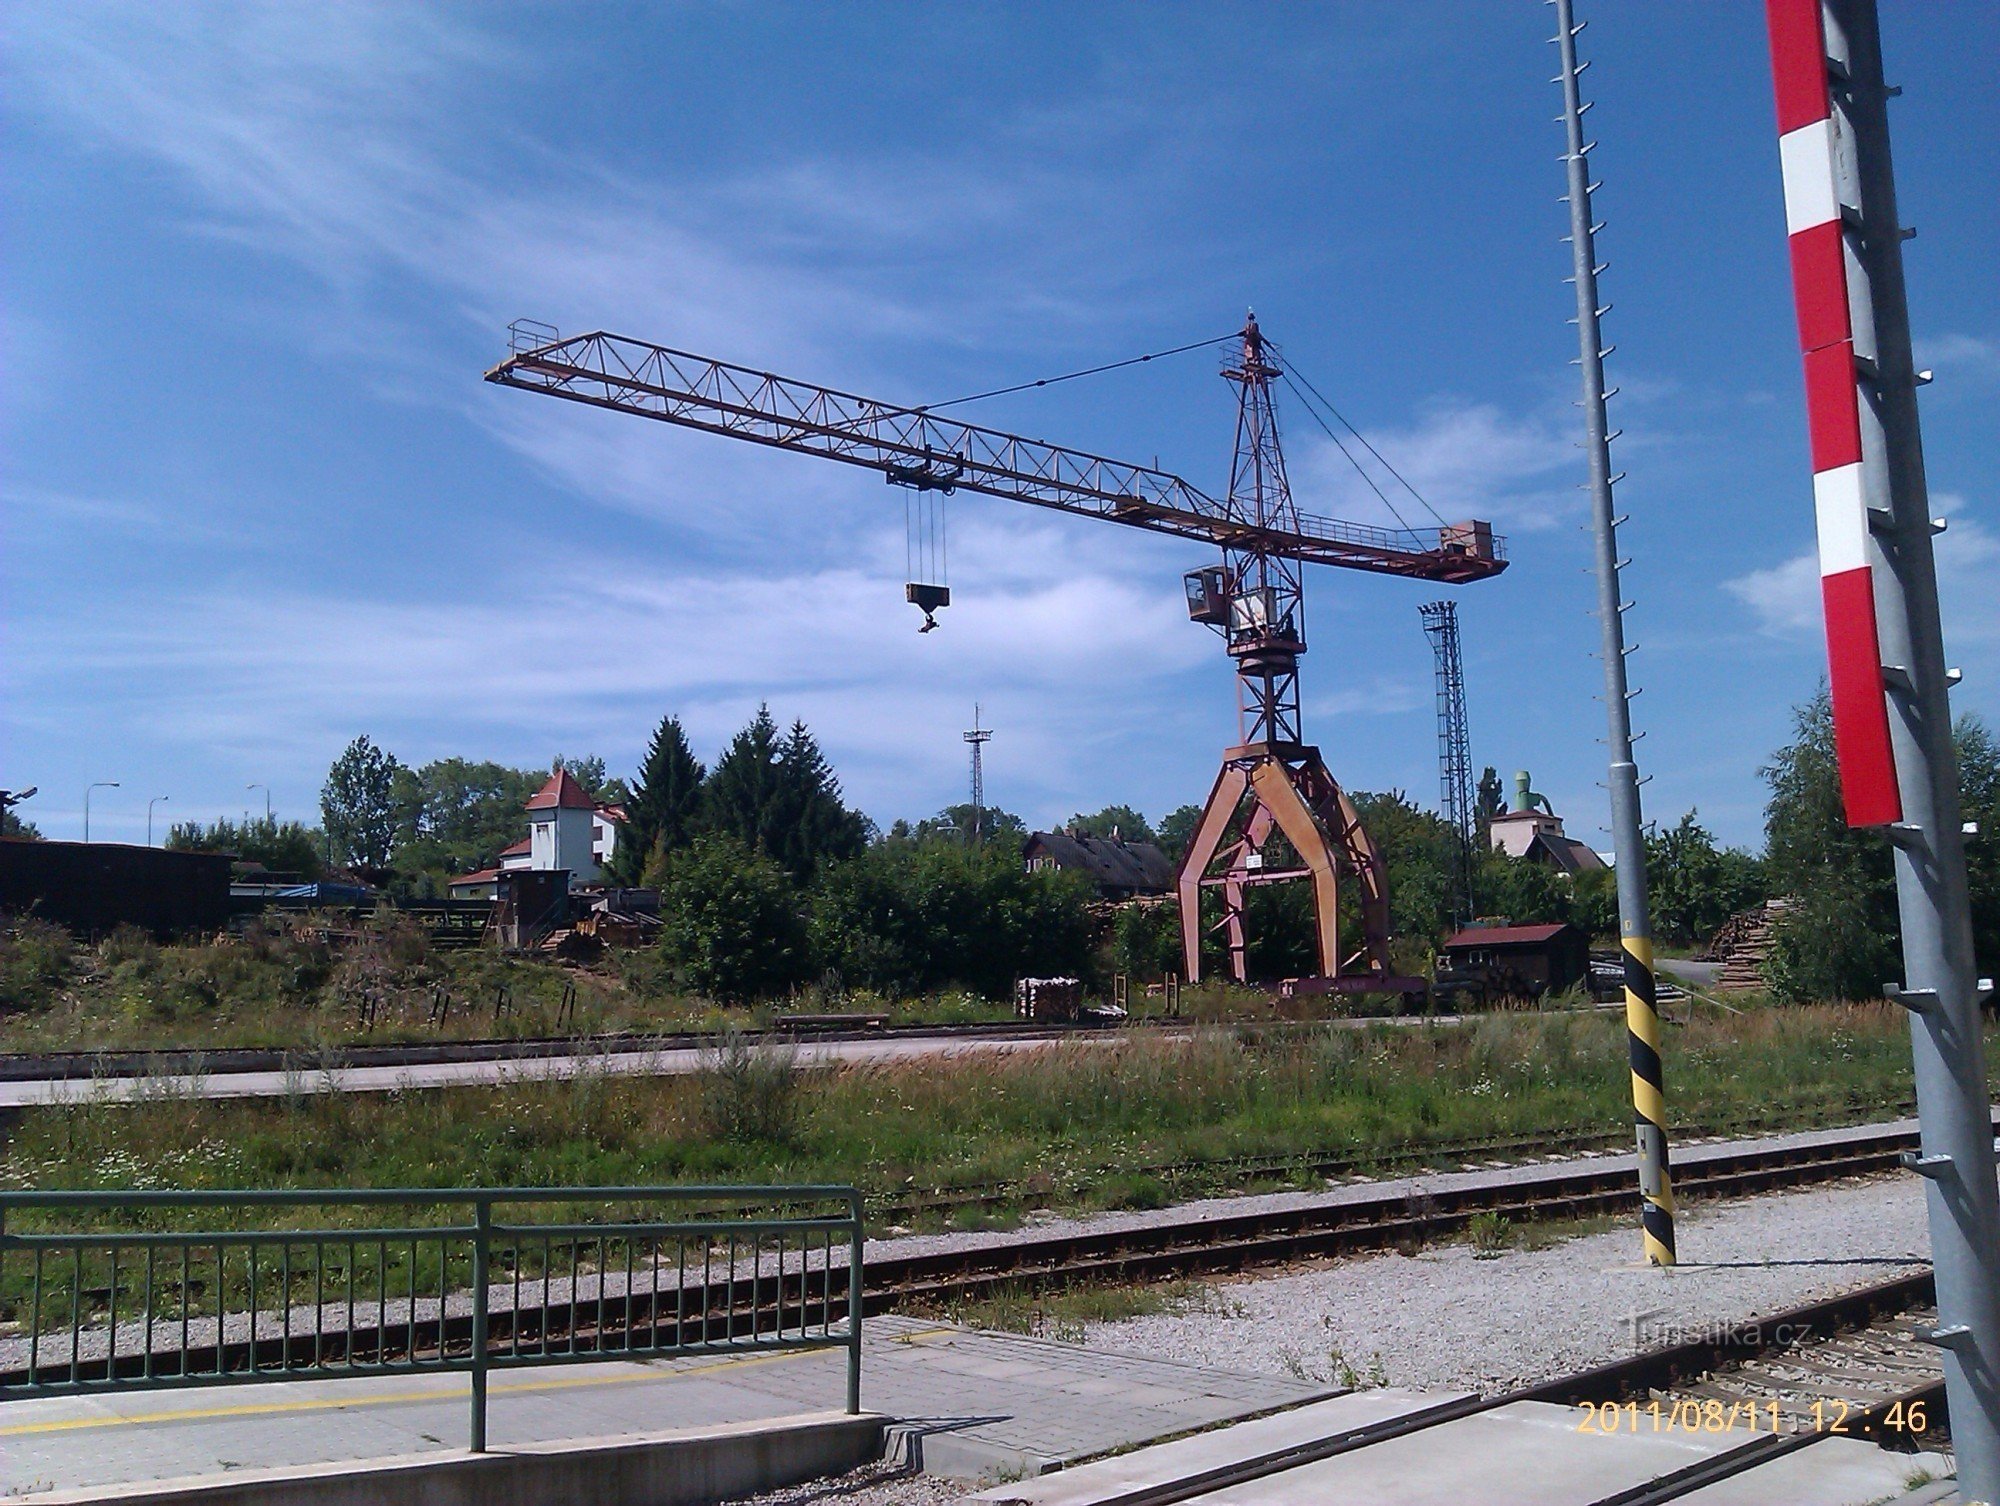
{"x":566,"y":830}
{"x":1119,"y":869}
{"x":1531,"y":829}
{"x":94,"y":887}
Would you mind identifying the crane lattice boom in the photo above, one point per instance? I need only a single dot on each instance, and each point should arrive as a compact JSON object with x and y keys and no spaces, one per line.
{"x":911,"y":447}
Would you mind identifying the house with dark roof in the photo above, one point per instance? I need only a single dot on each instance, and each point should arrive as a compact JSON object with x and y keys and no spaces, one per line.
{"x":1531,"y":829}
{"x":1119,"y":869}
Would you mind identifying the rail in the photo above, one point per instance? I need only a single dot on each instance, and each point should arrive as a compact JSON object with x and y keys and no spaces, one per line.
{"x":112,"y":1291}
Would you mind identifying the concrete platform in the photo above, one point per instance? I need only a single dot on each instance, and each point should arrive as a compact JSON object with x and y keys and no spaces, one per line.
{"x":684,"y":1467}
{"x":959,"y":1402}
{"x":1524,"y":1454}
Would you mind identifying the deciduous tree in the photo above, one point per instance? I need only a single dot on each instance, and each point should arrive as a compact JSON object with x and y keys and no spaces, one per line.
{"x":358,"y":804}
{"x":731,"y":921}
{"x":280,"y":846}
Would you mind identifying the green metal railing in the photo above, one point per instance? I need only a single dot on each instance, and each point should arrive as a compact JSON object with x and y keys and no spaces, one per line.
{"x":113,"y":1291}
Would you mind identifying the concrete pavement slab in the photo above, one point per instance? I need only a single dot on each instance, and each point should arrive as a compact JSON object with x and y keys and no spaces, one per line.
{"x":965,"y":1402}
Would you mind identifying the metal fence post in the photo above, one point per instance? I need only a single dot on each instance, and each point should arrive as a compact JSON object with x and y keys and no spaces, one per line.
{"x":482,"y":1227}
{"x":854,"y":1302}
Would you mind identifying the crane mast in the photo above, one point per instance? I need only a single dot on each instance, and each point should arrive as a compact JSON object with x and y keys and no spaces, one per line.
{"x":1272,"y":783}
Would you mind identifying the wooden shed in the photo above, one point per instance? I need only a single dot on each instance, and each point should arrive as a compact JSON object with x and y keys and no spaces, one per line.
{"x":1526,"y":961}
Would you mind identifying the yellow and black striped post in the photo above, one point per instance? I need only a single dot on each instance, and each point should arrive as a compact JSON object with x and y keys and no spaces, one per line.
{"x":1642,"y":1015}
{"x":1649,"y":1101}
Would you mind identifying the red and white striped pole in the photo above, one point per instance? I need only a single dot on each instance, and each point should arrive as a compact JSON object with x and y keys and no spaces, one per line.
{"x":1885,"y":646}
{"x":1848,"y":554}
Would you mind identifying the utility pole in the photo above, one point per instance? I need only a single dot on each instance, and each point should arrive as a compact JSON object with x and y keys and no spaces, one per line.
{"x":978,"y":737}
{"x":1885,"y":649}
{"x":1642,"y":1015}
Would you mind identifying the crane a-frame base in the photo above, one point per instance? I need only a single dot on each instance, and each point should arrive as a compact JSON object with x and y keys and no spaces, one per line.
{"x":1285,"y":788}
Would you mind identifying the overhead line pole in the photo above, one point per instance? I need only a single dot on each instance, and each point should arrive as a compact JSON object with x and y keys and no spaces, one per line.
{"x":1642,"y":1015}
{"x":1885,"y":642}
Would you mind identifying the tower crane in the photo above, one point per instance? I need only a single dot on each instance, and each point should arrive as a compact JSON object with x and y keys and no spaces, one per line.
{"x":1272,"y":781}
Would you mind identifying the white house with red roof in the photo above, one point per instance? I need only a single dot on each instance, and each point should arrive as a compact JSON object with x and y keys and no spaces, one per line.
{"x":566,"y":829}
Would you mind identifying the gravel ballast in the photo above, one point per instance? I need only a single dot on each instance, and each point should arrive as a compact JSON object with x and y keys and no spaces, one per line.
{"x":1449,"y":1319}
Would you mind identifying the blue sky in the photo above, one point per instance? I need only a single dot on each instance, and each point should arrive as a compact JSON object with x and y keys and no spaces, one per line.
{"x":256,"y":499}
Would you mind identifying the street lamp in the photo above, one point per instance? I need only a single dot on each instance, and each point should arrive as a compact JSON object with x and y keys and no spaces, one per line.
{"x":102,"y":784}
{"x":253,"y":785}
{"x":149,"y":816}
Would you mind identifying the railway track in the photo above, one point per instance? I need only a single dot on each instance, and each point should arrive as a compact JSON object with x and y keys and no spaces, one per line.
{"x":179,"y":1061}
{"x":1359,"y":1220}
{"x":1854,"y":1365}
{"x":1279,"y":1232}
{"x":1200,"y":1177}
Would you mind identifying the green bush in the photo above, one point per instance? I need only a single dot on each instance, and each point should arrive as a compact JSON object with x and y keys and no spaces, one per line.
{"x":749,"y":1092}
{"x":916,"y":917}
{"x":731,"y":921}
{"x":35,"y":959}
{"x":1146,"y":942}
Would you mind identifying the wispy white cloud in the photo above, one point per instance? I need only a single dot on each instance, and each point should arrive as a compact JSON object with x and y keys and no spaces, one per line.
{"x":1784,"y":599}
{"x":348,"y":141}
{"x":584,"y":641}
{"x":1468,"y":460}
{"x":1961,"y":355}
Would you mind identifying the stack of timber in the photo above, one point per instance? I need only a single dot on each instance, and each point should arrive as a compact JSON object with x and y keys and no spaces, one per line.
{"x":1743,"y":944}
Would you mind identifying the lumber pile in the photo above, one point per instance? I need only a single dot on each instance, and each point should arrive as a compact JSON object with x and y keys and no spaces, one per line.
{"x":1743,"y":943}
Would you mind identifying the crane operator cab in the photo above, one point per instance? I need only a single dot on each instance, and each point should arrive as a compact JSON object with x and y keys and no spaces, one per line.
{"x":1208,"y":595}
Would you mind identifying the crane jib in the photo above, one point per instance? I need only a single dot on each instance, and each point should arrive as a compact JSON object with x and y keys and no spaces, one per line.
{"x":910,"y":447}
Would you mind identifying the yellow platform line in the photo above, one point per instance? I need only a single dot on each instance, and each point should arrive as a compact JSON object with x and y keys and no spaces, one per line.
{"x":392,"y":1398}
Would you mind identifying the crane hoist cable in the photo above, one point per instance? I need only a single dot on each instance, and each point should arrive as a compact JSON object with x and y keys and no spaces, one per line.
{"x":926,"y":582}
{"x":1303,"y":388}
{"x":1348,"y":455}
{"x":1068,"y":376}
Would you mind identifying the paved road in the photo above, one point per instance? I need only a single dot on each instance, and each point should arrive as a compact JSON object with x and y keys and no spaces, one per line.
{"x":1700,"y":974}
{"x":665,"y":1062}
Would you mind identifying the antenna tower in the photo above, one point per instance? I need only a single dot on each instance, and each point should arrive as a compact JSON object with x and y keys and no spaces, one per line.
{"x":1454,"y":740}
{"x":977,"y":738}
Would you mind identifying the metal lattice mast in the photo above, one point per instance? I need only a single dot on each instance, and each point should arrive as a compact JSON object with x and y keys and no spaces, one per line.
{"x":1642,"y":1015}
{"x":978,"y":737}
{"x":1885,"y":651}
{"x":1267,"y":628}
{"x":1454,"y":738}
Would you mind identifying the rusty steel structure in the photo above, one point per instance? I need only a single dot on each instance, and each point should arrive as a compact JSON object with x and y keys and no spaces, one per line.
{"x":1272,"y":784}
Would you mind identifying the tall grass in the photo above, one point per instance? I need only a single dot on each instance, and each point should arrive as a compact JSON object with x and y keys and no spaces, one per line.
{"x":1117,"y":1124}
{"x":305,"y":982}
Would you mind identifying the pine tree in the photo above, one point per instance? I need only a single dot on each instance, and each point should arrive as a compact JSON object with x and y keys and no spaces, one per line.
{"x":815,"y":827}
{"x":741,"y":796}
{"x":1492,"y":797}
{"x":660,"y":815}
{"x":779,"y":798}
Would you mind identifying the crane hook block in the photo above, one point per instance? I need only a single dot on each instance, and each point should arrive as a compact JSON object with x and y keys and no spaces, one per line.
{"x":929,"y":599}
